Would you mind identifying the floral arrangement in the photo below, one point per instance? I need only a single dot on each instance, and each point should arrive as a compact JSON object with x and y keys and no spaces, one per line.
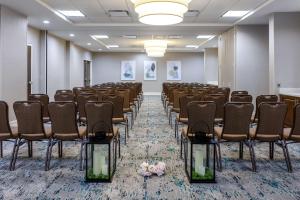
{"x":148,"y":170}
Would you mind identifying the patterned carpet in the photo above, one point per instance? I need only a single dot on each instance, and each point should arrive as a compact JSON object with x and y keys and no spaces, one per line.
{"x":150,"y":140}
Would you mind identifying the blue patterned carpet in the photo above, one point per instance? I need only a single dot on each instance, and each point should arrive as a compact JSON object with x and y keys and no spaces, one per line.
{"x":151,"y":139}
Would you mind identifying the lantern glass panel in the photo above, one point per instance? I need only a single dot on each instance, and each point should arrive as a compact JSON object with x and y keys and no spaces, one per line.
{"x":98,"y":161}
{"x":202,"y":162}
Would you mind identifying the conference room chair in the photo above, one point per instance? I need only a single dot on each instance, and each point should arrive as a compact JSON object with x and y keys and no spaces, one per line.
{"x":64,"y":128}
{"x":220,"y":100}
{"x":182,"y":117}
{"x":64,"y":97}
{"x":7,"y":133}
{"x":201,"y":115}
{"x":263,"y":99}
{"x":81,"y":101}
{"x":292,"y":135}
{"x":240,"y":92}
{"x":125,"y":93}
{"x":118,"y":114}
{"x":64,"y":92}
{"x":44,"y":100}
{"x":246,"y":98}
{"x":237,"y":120}
{"x":176,"y":107}
{"x":270,"y":129}
{"x":30,"y":128}
{"x":99,"y":119}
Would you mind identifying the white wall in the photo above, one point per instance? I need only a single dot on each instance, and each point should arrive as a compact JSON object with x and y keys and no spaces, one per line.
{"x":34,"y":40}
{"x":284,"y":50}
{"x":107,"y":68}
{"x":77,"y":57}
{"x":252,"y":63}
{"x":64,"y":62}
{"x":13,"y":57}
{"x":56,"y":65}
{"x":211,"y":65}
{"x":227,"y":59}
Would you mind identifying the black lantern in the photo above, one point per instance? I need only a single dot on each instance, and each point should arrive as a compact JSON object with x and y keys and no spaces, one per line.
{"x":200,"y":157}
{"x":100,"y":158}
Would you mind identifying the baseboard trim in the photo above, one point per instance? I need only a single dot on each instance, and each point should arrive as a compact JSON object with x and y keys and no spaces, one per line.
{"x":152,"y":93}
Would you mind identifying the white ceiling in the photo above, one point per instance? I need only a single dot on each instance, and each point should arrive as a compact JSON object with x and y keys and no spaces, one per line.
{"x":97,"y":21}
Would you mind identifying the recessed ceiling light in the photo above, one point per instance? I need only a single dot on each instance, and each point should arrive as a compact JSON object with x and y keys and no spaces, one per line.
{"x":99,"y":49}
{"x":205,"y":36}
{"x":72,"y":35}
{"x":112,"y":46}
{"x":235,"y":13}
{"x":129,"y":36}
{"x":89,"y":44}
{"x":192,"y":46}
{"x":72,"y":13}
{"x":46,"y":22}
{"x":100,"y":36}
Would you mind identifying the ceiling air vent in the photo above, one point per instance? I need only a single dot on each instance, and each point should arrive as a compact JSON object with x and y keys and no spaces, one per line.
{"x":192,"y":13}
{"x":118,"y":13}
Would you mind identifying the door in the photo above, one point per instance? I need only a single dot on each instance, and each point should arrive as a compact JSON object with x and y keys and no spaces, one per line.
{"x":29,"y":82}
{"x":87,"y":73}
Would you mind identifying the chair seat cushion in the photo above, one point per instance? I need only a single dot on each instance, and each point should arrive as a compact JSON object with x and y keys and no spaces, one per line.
{"x":119,"y":120}
{"x":267,"y":137}
{"x":235,"y":137}
{"x":71,"y":136}
{"x":288,"y":136}
{"x":177,"y":110}
{"x":181,"y":119}
{"x":127,"y":110}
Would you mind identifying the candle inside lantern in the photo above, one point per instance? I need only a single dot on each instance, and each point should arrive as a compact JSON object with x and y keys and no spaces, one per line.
{"x":199,"y":158}
{"x":97,"y":161}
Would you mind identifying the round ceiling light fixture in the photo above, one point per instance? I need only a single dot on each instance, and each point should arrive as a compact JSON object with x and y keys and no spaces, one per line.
{"x":156,"y":48}
{"x":161,"y":12}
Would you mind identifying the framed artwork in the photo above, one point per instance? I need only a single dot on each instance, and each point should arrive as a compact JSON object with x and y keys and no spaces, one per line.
{"x":128,"y":70}
{"x":150,"y":70}
{"x":174,"y":70}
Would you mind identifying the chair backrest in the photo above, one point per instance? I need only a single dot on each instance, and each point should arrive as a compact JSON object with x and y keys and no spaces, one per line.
{"x":64,"y":97}
{"x":271,"y":118}
{"x":177,"y":94}
{"x":241,"y":98}
{"x":201,"y":115}
{"x":220,"y":101}
{"x":64,"y":92}
{"x":81,"y":101}
{"x":264,"y":98}
{"x":29,"y":117}
{"x":99,"y":112}
{"x":238,"y":92}
{"x":296,"y":124}
{"x":43,"y":99}
{"x":63,"y":117}
{"x":183,"y":102}
{"x":117,"y":102}
{"x":76,"y":90}
{"x":4,"y":120}
{"x":237,"y":118}
{"x":125,"y":93}
{"x":101,"y":93}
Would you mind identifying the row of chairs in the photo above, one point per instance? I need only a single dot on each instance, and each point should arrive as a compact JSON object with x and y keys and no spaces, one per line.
{"x":182,"y":97}
{"x":237,"y":127}
{"x":64,"y":116}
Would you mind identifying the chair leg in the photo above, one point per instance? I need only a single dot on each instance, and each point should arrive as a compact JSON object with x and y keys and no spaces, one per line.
{"x":127,"y":127}
{"x":252,"y":156}
{"x":220,"y":157}
{"x":176,"y":128}
{"x":29,"y":144}
{"x":60,"y":149}
{"x":1,"y":149}
{"x":241,"y":150}
{"x":125,"y":134}
{"x":81,"y":155}
{"x":119,"y":146}
{"x":271,"y":150}
{"x":287,"y":156}
{"x":16,"y":155}
{"x":181,"y":146}
{"x":13,"y":155}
